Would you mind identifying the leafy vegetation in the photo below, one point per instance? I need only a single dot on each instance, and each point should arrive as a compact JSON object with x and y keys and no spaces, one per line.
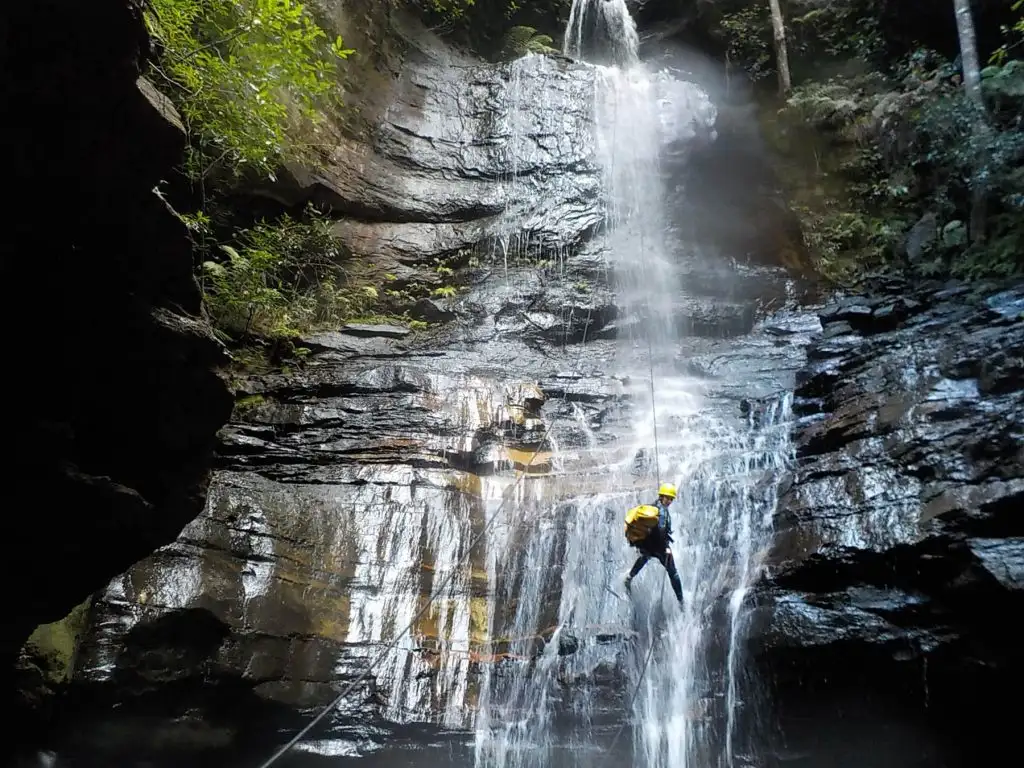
{"x":1014,"y":35}
{"x":889,"y":158}
{"x":497,"y":28}
{"x":748,"y":40}
{"x":815,"y":40}
{"x":522,"y":40}
{"x":882,"y":160}
{"x":240,"y":73}
{"x":248,"y":77}
{"x":275,"y":279}
{"x":838,"y":31}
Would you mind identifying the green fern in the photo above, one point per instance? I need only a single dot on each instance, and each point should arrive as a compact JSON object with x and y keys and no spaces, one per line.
{"x":541,"y":44}
{"x":521,"y":40}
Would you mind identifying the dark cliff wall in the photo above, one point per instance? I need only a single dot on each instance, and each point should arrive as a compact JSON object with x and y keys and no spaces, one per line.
{"x":890,"y":620}
{"x":112,"y":391}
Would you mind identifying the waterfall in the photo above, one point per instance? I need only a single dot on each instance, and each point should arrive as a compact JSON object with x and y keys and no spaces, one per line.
{"x":601,"y":31}
{"x":673,"y":677}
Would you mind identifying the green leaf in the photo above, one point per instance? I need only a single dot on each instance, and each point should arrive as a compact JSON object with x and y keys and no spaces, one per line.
{"x":239,"y":71}
{"x":338,"y":48}
{"x":214,"y":269}
{"x":231,"y":252}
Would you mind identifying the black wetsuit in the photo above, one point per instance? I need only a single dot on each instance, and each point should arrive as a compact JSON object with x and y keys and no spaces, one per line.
{"x":656,"y":545}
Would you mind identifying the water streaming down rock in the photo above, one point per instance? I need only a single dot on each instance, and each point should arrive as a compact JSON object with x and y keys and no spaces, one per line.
{"x":727,"y":474}
{"x":349,"y":491}
{"x":601,"y":31}
{"x":686,"y":705}
{"x":351,"y":488}
{"x":314,"y":569}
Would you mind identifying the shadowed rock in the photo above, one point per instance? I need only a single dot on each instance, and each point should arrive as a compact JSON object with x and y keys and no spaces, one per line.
{"x":114,"y":420}
{"x":899,"y":556}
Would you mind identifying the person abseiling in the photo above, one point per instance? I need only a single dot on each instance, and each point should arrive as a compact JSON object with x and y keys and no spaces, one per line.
{"x":649,"y":529}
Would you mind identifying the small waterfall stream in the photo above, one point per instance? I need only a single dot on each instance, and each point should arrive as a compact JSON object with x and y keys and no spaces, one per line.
{"x":674,"y":675}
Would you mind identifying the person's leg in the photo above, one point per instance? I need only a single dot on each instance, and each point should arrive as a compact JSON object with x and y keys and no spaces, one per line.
{"x":641,"y":561}
{"x":666,"y":559}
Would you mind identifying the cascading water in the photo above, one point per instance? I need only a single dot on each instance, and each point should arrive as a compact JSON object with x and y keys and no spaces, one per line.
{"x":601,"y":31}
{"x":673,"y":673}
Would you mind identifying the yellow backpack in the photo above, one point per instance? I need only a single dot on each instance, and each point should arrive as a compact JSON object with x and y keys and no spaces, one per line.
{"x":640,"y":521}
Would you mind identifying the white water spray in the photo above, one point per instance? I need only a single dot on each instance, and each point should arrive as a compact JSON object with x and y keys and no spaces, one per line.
{"x":684,"y":665}
{"x":602,"y":30}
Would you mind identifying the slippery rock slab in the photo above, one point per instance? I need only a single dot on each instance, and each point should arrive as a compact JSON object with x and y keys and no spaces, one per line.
{"x":296,"y":575}
{"x":350,"y":493}
{"x":859,"y":615}
{"x":345,"y":345}
{"x":1003,"y":559}
{"x":899,"y":549}
{"x":467,"y":154}
{"x":913,"y":428}
{"x":370,"y":331}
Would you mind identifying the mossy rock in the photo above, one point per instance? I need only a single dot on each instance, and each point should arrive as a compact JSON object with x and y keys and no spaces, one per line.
{"x":52,"y":648}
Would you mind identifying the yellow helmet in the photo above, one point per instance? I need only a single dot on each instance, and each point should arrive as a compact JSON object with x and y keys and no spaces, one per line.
{"x":667,"y":489}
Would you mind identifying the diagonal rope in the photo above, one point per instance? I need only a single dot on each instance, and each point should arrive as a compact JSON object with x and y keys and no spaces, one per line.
{"x":509,"y":493}
{"x":375,"y":662}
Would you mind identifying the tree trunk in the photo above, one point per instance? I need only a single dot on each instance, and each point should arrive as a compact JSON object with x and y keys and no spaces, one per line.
{"x":969,"y":51}
{"x":972,"y":87}
{"x":781,"y":54}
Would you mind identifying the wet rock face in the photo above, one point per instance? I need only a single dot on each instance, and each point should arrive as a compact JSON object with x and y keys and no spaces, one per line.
{"x":461,"y":152}
{"x":349,"y":491}
{"x":901,"y":550}
{"x":115,"y":413}
{"x":347,"y":495}
{"x":467,"y":159}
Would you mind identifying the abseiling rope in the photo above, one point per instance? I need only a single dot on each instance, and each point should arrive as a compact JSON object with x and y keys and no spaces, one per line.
{"x":509,"y":493}
{"x":657,"y":471}
{"x":661,"y":592}
{"x":479,"y":537}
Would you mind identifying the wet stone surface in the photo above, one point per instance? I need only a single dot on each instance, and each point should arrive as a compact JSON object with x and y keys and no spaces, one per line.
{"x":349,"y":493}
{"x":346,"y":491}
{"x":346,"y":495}
{"x":899,"y":555}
